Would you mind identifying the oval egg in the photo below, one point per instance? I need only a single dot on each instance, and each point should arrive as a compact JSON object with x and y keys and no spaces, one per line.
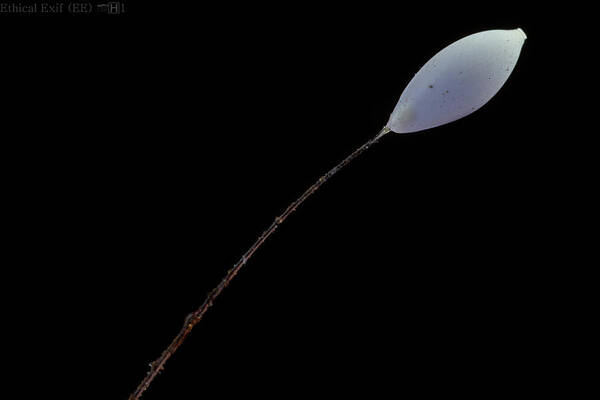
{"x":458,"y":80}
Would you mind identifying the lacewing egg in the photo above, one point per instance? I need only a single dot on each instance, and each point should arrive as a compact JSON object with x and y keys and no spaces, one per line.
{"x":458,"y":80}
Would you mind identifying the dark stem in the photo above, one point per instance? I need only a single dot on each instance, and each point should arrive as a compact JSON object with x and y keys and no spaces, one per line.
{"x":195,"y":317}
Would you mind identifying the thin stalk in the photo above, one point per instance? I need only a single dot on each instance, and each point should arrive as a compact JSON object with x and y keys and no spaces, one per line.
{"x":192,"y":319}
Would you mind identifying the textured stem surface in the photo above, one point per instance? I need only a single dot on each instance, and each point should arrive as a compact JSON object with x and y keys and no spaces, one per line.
{"x":195,"y":317}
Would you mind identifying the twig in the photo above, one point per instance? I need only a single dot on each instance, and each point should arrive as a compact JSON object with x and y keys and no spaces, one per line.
{"x":192,"y":319}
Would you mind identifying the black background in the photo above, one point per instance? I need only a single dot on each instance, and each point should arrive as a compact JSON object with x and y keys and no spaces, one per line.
{"x":147,"y":151}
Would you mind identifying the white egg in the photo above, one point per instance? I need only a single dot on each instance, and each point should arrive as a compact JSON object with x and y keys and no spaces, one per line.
{"x":458,"y":80}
